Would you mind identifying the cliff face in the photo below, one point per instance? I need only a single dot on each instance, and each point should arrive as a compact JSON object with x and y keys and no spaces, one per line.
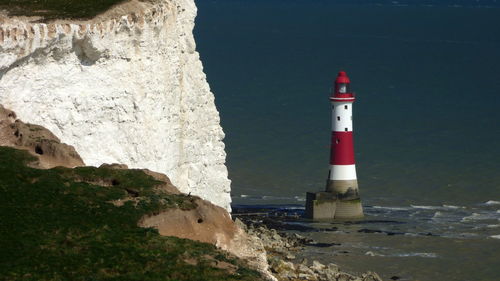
{"x":125,"y":87}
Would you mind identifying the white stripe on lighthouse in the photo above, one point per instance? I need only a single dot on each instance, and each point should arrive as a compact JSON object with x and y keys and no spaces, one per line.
{"x":343,"y":172}
{"x":341,"y":116}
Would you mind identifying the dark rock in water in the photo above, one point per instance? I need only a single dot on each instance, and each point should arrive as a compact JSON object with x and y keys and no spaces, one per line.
{"x":322,"y":245}
{"x":395,"y":278}
{"x":283,"y":225}
{"x":390,"y":233}
{"x":366,"y":230}
{"x":280,"y":223}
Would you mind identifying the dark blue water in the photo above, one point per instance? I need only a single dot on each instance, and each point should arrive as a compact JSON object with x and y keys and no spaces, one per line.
{"x":427,"y":79}
{"x":426,"y":118}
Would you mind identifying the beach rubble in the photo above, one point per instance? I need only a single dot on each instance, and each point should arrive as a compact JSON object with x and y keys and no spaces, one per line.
{"x":281,"y":246}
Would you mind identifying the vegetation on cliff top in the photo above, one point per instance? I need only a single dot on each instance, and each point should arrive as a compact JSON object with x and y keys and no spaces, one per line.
{"x":57,"y":9}
{"x":64,"y":224}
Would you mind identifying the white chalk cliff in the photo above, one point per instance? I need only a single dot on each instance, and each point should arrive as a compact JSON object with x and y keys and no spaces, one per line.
{"x":125,"y":87}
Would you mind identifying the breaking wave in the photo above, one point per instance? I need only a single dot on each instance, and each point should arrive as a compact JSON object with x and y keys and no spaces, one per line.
{"x":481,"y":216}
{"x":404,"y":255}
{"x":492,"y":202}
{"x":391,"y":208}
{"x":422,"y":255}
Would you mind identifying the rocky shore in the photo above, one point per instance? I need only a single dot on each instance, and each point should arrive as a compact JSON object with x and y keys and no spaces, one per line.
{"x":282,"y":248}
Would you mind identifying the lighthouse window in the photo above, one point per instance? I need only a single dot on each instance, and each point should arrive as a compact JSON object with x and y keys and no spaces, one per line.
{"x":345,"y":106}
{"x":337,"y":141}
{"x":338,"y":118}
{"x":346,"y":129}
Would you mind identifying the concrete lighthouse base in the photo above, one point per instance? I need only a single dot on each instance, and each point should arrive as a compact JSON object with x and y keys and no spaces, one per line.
{"x":323,"y":205}
{"x":340,"y":201}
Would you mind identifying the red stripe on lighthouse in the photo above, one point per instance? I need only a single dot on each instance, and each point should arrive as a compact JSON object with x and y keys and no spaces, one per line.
{"x":342,"y":149}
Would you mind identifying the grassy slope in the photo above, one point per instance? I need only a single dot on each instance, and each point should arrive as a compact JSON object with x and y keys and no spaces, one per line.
{"x":56,"y":9}
{"x":54,"y":226}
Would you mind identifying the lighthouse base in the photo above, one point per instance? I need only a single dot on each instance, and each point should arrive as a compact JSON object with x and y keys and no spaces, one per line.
{"x":327,"y":206}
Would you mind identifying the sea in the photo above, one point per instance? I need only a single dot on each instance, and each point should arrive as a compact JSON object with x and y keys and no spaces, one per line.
{"x":426,"y":74}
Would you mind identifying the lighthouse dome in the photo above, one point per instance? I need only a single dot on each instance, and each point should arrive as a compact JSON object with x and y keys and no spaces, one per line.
{"x":342,"y":78}
{"x":342,"y":84}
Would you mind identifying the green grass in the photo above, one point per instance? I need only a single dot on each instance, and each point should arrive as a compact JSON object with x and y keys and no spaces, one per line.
{"x":57,"y":9}
{"x":55,"y":225}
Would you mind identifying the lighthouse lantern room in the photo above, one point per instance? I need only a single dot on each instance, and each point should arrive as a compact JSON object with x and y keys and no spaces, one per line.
{"x":340,"y":200}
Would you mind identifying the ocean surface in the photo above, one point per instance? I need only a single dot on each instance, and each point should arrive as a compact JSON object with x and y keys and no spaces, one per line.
{"x":426,"y":122}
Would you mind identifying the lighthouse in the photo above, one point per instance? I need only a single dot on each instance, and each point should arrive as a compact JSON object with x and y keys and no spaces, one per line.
{"x":340,"y":200}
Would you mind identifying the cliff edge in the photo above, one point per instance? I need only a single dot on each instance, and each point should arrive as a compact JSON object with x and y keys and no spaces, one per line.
{"x":126,"y":86}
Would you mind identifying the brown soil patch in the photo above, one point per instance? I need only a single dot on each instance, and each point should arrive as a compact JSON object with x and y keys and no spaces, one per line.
{"x":38,"y":141}
{"x":206,"y":223}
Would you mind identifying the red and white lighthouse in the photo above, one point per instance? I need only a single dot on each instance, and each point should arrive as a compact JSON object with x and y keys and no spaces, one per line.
{"x":341,"y":198}
{"x":342,"y":175}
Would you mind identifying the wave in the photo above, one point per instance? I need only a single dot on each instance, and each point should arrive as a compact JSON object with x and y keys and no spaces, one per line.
{"x":422,"y":255}
{"x":427,"y":207}
{"x":481,"y":216}
{"x":391,"y":208}
{"x":269,"y":197}
{"x":300,"y":198}
{"x":295,"y":208}
{"x":495,"y":236}
{"x":404,"y":255}
{"x":443,"y":207}
{"x":438,"y":215}
{"x":453,"y":207}
{"x":492,"y":202}
{"x":474,"y":216}
{"x":373,"y":254}
{"x":493,"y":225}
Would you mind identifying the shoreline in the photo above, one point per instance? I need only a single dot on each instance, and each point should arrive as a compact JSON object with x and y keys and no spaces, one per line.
{"x":283,"y":247}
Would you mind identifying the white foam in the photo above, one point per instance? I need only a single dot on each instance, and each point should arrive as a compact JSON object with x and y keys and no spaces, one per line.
{"x":493,"y":225}
{"x":427,"y":207}
{"x":295,"y":208}
{"x":300,"y":198}
{"x":444,"y":207}
{"x":270,"y":197}
{"x":495,"y":236}
{"x":392,"y":208}
{"x":422,"y":255}
{"x":480,"y":216}
{"x":453,"y":207}
{"x":474,"y":216}
{"x":373,"y":254}
{"x":492,"y":202}
{"x":438,"y":214}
